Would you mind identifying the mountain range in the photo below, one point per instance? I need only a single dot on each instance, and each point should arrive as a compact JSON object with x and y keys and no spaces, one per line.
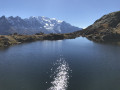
{"x":32,"y":25}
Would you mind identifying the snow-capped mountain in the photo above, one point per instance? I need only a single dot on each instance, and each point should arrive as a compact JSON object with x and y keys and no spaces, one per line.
{"x":32,"y":25}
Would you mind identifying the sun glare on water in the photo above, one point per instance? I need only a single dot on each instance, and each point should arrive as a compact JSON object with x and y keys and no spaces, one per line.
{"x":60,"y":76}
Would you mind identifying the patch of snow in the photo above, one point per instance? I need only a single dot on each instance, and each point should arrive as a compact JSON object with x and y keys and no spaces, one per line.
{"x":53,"y":18}
{"x":59,"y":29}
{"x":59,"y":21}
{"x":52,"y":25}
{"x":46,"y":24}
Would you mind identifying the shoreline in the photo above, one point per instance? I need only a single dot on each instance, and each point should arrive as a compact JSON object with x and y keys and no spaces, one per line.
{"x":9,"y":40}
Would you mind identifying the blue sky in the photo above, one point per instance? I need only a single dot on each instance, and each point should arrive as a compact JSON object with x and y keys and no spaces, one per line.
{"x":80,"y":13}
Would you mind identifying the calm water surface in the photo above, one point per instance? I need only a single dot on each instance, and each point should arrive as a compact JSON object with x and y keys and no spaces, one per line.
{"x":76,"y":64}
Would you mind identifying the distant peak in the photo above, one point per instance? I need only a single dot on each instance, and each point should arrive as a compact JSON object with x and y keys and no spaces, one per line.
{"x":18,"y":17}
{"x":53,"y":18}
{"x":3,"y":16}
{"x":32,"y":17}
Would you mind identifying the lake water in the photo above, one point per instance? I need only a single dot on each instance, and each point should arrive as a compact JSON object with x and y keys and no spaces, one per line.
{"x":72,"y":64}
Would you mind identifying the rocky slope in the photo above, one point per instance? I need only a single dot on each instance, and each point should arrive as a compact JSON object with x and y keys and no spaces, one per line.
{"x":32,"y":25}
{"x":107,"y":28}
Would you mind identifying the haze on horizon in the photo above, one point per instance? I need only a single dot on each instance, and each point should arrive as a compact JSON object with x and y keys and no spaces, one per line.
{"x":81,"y":13}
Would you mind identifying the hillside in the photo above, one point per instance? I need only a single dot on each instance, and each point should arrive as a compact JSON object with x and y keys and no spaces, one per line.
{"x":107,"y":28}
